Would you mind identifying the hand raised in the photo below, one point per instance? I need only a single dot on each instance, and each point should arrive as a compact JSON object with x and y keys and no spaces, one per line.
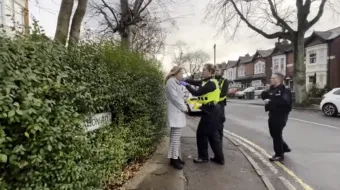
{"x":183,"y":83}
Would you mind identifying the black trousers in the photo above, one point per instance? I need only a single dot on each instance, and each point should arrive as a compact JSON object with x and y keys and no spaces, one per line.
{"x":208,"y":133}
{"x":221,"y":126}
{"x":276,"y":125}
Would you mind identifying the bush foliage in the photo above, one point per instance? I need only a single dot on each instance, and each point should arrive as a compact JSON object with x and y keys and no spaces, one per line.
{"x":46,"y":92}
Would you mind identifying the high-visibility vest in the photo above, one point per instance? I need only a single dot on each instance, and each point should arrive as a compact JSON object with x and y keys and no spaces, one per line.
{"x":211,"y":97}
{"x":221,"y":86}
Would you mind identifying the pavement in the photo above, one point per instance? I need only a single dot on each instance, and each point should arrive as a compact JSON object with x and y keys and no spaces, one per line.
{"x":237,"y":173}
{"x":156,"y":174}
{"x":260,"y":102}
{"x":314,"y":139}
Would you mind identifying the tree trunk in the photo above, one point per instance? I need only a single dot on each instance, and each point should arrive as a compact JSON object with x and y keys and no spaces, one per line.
{"x":77,"y":21}
{"x":299,"y":78}
{"x":124,"y":30}
{"x":64,"y":18}
{"x":125,"y":38}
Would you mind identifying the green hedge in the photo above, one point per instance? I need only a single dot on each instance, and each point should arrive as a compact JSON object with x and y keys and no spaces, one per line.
{"x":46,"y":92}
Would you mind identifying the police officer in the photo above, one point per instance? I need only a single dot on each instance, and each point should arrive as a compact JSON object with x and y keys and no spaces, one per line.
{"x":278,"y":102}
{"x":207,"y":131}
{"x":223,"y":84}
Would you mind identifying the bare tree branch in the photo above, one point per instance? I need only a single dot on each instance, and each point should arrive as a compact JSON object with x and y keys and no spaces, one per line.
{"x":270,"y":36}
{"x":318,"y":16}
{"x":278,"y":18}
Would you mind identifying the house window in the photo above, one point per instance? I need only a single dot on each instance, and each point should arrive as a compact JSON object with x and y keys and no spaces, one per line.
{"x":259,"y":67}
{"x":311,"y":79}
{"x":312,"y":57}
{"x":230,"y":74}
{"x":282,"y":64}
{"x":279,"y":65}
{"x":241,"y":71}
{"x":256,"y":83}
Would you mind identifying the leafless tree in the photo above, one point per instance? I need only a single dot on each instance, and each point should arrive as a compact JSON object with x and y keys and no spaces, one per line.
{"x":282,"y":19}
{"x":196,"y":60}
{"x":149,"y":38}
{"x":64,"y":18}
{"x":178,"y":50}
{"x":133,"y":20}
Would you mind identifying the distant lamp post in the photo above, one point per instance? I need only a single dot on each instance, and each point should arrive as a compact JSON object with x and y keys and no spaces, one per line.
{"x":214,"y":54}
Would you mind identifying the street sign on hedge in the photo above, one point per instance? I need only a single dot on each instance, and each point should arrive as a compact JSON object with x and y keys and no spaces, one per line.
{"x":98,"y":120}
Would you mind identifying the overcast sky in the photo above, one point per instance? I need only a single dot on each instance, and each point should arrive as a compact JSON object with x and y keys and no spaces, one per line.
{"x":190,"y":29}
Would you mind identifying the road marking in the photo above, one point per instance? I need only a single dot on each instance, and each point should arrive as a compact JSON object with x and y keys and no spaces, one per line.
{"x":258,"y":170}
{"x":288,"y":171}
{"x":285,"y":182}
{"x":304,"y":121}
{"x":264,"y":160}
{"x":310,"y":122}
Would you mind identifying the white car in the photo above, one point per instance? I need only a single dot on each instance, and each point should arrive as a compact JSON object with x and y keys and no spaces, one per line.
{"x":259,"y":90}
{"x":241,"y":94}
{"x":330,"y":104}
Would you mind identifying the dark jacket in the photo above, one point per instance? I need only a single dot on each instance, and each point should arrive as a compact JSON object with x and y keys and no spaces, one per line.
{"x":208,"y":87}
{"x":211,"y":114}
{"x":280,"y":100}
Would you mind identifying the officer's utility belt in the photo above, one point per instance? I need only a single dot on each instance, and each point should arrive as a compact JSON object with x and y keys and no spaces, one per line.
{"x":202,"y":98}
{"x":209,"y":104}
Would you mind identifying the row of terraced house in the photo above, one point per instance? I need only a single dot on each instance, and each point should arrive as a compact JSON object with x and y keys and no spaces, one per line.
{"x":322,"y":59}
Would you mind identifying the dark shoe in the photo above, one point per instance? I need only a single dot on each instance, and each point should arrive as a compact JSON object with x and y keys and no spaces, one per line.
{"x":176,"y":164}
{"x":181,"y":161}
{"x":276,"y":158}
{"x":200,"y":160}
{"x":287,"y":150}
{"x":219,"y":162}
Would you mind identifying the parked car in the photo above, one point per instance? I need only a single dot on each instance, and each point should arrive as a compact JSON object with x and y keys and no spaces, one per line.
{"x":231,"y":92}
{"x":259,"y":90}
{"x":241,"y":94}
{"x":330,"y":104}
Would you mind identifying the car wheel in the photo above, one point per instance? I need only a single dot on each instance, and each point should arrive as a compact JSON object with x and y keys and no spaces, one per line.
{"x":329,"y":109}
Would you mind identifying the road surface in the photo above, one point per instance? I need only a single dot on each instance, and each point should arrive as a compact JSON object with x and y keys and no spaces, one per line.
{"x":314,"y":162}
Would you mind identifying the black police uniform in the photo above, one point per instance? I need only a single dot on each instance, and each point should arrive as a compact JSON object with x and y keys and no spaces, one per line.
{"x":223,"y":103}
{"x":207,"y":130}
{"x":279,"y":107}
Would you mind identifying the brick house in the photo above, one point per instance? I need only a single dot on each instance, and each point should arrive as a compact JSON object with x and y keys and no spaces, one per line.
{"x":323,"y":58}
{"x":289,"y":68}
{"x":261,"y":60}
{"x":280,"y":62}
{"x":244,"y":71}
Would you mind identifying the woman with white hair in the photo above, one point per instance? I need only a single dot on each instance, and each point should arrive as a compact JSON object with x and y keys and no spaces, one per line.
{"x":175,"y":114}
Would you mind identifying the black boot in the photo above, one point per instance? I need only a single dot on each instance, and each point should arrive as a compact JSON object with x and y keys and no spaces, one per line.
{"x":200,"y":160}
{"x":219,"y":162}
{"x":287,"y":150}
{"x":276,"y":158}
{"x":181,"y":161}
{"x":176,"y":164}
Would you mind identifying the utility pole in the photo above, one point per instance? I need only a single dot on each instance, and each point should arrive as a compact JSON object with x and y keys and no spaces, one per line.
{"x":26,"y":17}
{"x":214,"y":54}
